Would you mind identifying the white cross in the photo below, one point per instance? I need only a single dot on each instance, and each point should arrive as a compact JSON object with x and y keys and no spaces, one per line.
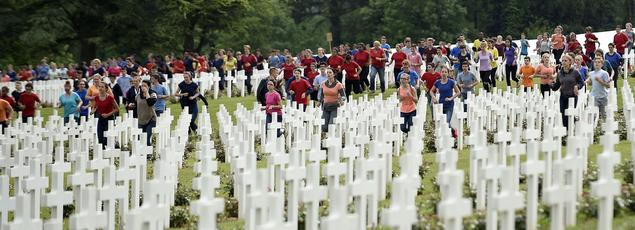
{"x":294,"y":174}
{"x":452,"y":209}
{"x":557,"y":195}
{"x":338,"y":217}
{"x":533,"y":167}
{"x":7,"y":203}
{"x":87,"y":214}
{"x":401,"y":214}
{"x":508,"y":200}
{"x":606,"y":188}
{"x":491,"y":174}
{"x":34,"y":185}
{"x":364,"y":190}
{"x":154,"y":212}
{"x":23,"y":219}
{"x":110,"y":193}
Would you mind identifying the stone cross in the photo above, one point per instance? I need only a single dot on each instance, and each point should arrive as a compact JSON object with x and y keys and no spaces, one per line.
{"x":508,"y":200}
{"x":110,"y":193}
{"x":452,"y":209}
{"x":154,"y":214}
{"x":532,"y":168}
{"x":364,"y":192}
{"x":7,"y":203}
{"x":23,"y":219}
{"x":402,"y":213}
{"x":338,"y":217}
{"x":606,"y":187}
{"x":294,"y":174}
{"x":557,"y":195}
{"x":87,"y":215}
{"x":35,"y":185}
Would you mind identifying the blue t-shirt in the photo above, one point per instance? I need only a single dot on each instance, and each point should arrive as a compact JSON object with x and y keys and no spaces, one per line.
{"x":82,"y":96}
{"x":70,"y":103}
{"x":124,"y":84}
{"x":583,"y":72}
{"x":524,"y":44}
{"x":160,"y":90}
{"x":386,"y":48}
{"x":614,"y":59}
{"x":598,"y":90}
{"x":413,"y":77}
{"x":42,"y":71}
{"x":509,"y":55}
{"x":445,"y":91}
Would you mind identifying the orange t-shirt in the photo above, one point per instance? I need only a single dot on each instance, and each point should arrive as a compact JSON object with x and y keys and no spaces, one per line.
{"x":5,"y":107}
{"x":407,"y":102}
{"x":547,"y":72}
{"x":527,"y":71}
{"x":94,"y":91}
{"x":331,"y":95}
{"x":557,"y":41}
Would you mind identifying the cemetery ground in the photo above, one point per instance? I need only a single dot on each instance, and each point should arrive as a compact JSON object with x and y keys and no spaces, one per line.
{"x":427,"y":197}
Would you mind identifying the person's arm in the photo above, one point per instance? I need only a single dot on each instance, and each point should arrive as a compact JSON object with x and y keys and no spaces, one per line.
{"x":557,"y":84}
{"x":456,"y":93}
{"x":476,"y":81}
{"x":151,"y":99}
{"x":9,"y":112}
{"x":342,"y":98}
{"x":79,"y":102}
{"x":432,"y":93}
{"x":196,"y":93}
{"x":413,"y":93}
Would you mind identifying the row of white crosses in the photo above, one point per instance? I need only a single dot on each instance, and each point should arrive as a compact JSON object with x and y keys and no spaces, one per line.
{"x":562,"y":176}
{"x":36,"y":159}
{"x":48,"y":91}
{"x":293,"y":164}
{"x":208,"y":205}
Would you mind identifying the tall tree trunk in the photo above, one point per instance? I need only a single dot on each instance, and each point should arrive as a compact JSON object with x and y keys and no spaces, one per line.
{"x":188,"y":37}
{"x":88,"y":50}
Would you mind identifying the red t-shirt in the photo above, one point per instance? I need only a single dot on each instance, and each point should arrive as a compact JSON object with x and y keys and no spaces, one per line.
{"x":149,"y":65}
{"x":202,"y":64}
{"x":619,"y":40}
{"x":430,"y":78}
{"x":398,"y":58}
{"x":104,"y":106}
{"x":300,"y":87}
{"x":362,"y":57}
{"x":114,"y":70}
{"x":28,"y":101}
{"x":374,"y":55}
{"x":9,"y":99}
{"x":25,"y":75}
{"x":248,"y":62}
{"x":306,"y":62}
{"x":573,"y":45}
{"x":351,"y":70}
{"x":287,"y":69}
{"x":311,"y":74}
{"x":178,"y":66}
{"x":588,"y":45}
{"x":335,"y":62}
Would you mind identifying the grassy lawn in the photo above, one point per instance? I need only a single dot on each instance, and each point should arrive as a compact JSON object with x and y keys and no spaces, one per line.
{"x":186,"y":174}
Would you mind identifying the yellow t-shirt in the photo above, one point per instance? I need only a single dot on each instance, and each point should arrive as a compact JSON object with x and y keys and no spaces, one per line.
{"x":230,"y":64}
{"x":494,"y":53}
{"x":477,"y":44}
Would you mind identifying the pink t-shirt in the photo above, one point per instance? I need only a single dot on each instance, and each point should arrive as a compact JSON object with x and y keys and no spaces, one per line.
{"x":415,"y":59}
{"x":273,"y":98}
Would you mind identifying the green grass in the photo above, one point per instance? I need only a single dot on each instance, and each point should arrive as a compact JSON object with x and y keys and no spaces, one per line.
{"x":186,"y":174}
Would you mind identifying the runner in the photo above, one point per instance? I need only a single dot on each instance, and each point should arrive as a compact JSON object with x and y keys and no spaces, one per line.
{"x":448,"y":90}
{"x":353,"y":80}
{"x":620,"y":40}
{"x":188,"y":91}
{"x":378,"y":62}
{"x":589,"y":42}
{"x":557,"y":44}
{"x":362,"y":58}
{"x":527,"y":72}
{"x":567,"y":82}
{"x":408,"y":98}
{"x":484,"y":58}
{"x":273,"y":104}
{"x":546,"y":74}
{"x":71,"y":102}
{"x":299,"y":90}
{"x":105,"y":109}
{"x":600,"y":83}
{"x":509,"y":57}
{"x":331,"y":97}
{"x":145,"y":101}
{"x":28,"y":102}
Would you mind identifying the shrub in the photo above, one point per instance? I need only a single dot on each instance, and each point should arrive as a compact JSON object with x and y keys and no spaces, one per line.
{"x":180,"y":217}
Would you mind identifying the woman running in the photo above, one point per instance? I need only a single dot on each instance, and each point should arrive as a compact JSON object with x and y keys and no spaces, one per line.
{"x":105,"y":108}
{"x":145,"y":101}
{"x":331,"y":98}
{"x":71,"y":102}
{"x":545,"y":72}
{"x":448,"y":90}
{"x":408,"y":98}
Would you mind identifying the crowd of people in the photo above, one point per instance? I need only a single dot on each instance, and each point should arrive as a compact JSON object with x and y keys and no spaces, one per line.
{"x":440,"y":72}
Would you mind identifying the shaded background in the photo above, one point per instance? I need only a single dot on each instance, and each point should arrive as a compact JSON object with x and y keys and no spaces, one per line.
{"x":78,"y":30}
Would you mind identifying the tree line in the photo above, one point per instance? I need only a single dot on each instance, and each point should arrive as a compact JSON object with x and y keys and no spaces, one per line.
{"x":74,"y":30}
